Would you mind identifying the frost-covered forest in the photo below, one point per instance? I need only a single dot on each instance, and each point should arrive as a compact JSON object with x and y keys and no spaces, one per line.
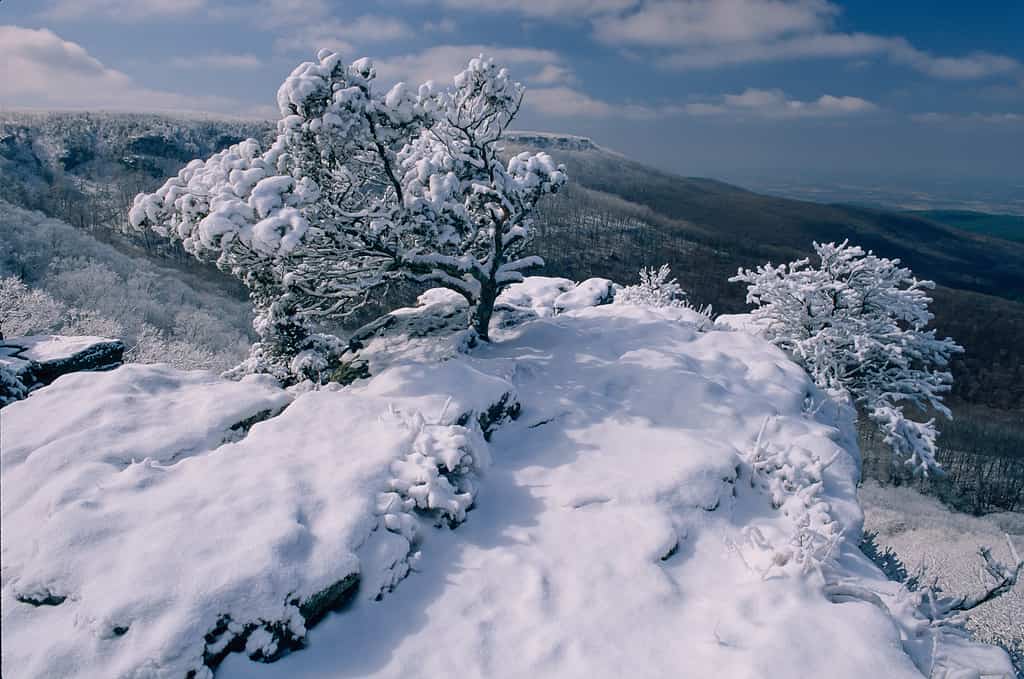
{"x":83,"y":286}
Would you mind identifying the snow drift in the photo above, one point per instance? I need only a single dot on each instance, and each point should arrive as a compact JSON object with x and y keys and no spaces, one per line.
{"x":655,"y":499}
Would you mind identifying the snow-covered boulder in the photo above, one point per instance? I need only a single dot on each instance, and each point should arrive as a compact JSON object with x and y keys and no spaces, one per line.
{"x":670,"y":501}
{"x":543,"y":296}
{"x":536,"y":294}
{"x":434,"y":330}
{"x":591,"y":292}
{"x":171,"y":517}
{"x":33,"y":361}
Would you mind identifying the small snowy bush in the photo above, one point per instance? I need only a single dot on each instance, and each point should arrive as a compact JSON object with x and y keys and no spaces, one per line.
{"x":654,"y":289}
{"x":856,"y":322}
{"x":360,"y":188}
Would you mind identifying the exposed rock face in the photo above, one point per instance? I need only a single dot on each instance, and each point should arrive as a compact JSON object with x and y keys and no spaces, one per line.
{"x":32,"y":362}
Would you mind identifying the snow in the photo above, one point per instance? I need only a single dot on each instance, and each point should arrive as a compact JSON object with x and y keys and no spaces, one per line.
{"x":669,"y":502}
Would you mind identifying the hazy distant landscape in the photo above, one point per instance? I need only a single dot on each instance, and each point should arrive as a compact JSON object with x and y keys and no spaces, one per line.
{"x":995,"y":200}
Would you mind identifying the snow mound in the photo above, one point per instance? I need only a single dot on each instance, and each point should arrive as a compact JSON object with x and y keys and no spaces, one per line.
{"x":670,"y":501}
{"x":171,"y":518}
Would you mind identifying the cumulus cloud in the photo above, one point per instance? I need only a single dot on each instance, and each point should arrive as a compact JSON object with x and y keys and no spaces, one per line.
{"x":704,"y":34}
{"x":551,"y":74}
{"x":566,"y":102}
{"x":548,"y":9}
{"x":685,"y":22}
{"x":799,"y":47}
{"x":218,"y":61}
{"x":42,"y":70}
{"x":341,"y":35}
{"x":442,"y":62}
{"x":774,"y":104}
{"x":998,"y":118}
{"x":969,"y":67}
{"x":121,"y":10}
{"x":844,"y":45}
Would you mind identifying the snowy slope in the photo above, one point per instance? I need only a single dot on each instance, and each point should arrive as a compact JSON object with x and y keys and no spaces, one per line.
{"x":669,"y":502}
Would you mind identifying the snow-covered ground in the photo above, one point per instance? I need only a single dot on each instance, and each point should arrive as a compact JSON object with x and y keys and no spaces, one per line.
{"x":668,"y":501}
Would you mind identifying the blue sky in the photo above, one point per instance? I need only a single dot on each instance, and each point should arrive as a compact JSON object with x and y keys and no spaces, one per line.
{"x":702,"y":87}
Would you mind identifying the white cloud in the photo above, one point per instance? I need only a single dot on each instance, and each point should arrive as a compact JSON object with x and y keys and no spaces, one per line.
{"x":566,"y":102}
{"x":551,"y":74}
{"x":341,"y":35}
{"x":799,"y":47}
{"x":218,"y":61}
{"x":1001,"y":118}
{"x":671,"y":23}
{"x":774,"y":104}
{"x":442,"y":62}
{"x":693,"y":34}
{"x":41,"y":70}
{"x":546,"y":9}
{"x":547,"y":76}
{"x":121,"y":10}
{"x":969,"y":67}
{"x":844,"y":45}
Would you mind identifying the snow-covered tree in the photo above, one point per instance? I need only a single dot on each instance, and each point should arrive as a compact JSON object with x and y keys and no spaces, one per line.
{"x":857,"y":323}
{"x":360,"y":187}
{"x":24,"y":311}
{"x":655,"y":288}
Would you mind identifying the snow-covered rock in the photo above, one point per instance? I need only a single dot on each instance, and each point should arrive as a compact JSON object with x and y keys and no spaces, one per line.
{"x":36,"y":360}
{"x":536,"y":294}
{"x":669,"y":502}
{"x":591,"y":292}
{"x":545,"y":296}
{"x":150,"y":532}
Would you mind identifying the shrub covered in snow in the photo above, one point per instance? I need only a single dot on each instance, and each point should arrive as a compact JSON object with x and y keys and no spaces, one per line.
{"x":654,"y":289}
{"x":857,"y":323}
{"x":360,"y":187}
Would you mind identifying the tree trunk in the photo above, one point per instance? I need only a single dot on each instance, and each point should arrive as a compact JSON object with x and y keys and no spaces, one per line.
{"x":485,"y":309}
